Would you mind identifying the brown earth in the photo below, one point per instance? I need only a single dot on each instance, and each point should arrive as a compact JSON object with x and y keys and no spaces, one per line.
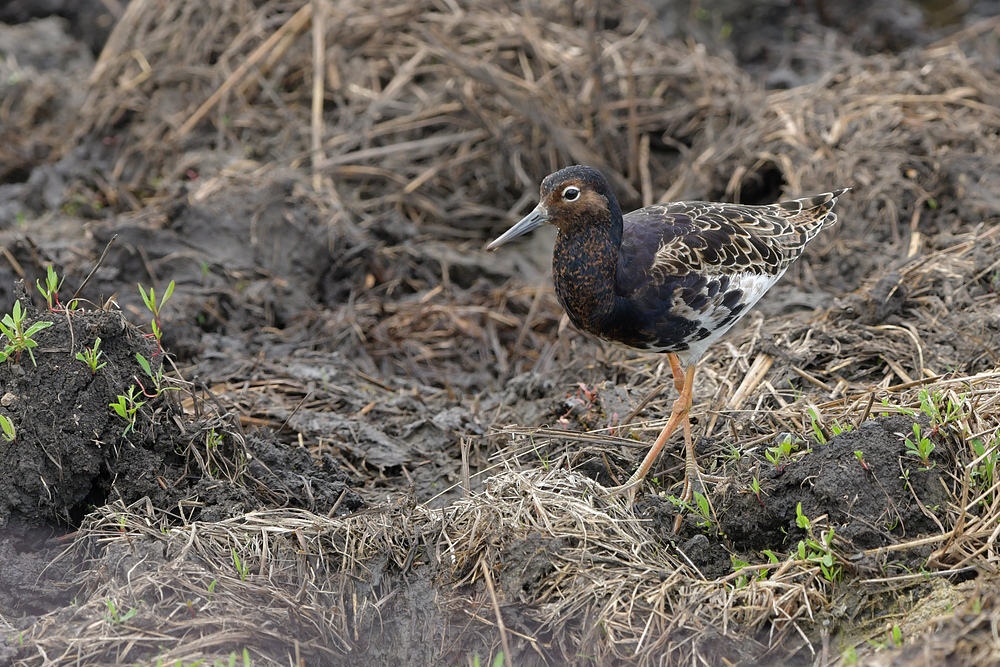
{"x":367,"y":441}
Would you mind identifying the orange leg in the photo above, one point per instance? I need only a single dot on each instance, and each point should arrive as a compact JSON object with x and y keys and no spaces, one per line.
{"x":684,"y":382}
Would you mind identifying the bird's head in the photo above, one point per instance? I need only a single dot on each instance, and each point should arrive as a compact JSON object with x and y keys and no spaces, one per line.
{"x":570,"y":199}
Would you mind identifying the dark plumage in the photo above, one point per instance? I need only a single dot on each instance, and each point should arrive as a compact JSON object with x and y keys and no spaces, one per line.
{"x":669,"y":278}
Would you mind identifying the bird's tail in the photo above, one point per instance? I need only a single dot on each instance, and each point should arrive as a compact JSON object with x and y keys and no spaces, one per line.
{"x":810,"y":215}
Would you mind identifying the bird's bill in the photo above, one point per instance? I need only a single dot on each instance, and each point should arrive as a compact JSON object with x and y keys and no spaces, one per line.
{"x":536,"y":218}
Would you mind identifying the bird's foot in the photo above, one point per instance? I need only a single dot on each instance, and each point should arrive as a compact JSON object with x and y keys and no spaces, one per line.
{"x":627,"y":489}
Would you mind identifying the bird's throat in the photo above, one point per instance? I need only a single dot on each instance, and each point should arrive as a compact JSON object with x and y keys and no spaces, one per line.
{"x":583,"y":270}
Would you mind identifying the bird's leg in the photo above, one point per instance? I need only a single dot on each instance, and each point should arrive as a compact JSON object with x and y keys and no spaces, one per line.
{"x":691,"y":469}
{"x":684,"y":383}
{"x":678,"y":371}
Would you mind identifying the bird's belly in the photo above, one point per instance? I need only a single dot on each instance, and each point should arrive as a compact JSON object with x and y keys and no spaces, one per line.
{"x":687,"y":320}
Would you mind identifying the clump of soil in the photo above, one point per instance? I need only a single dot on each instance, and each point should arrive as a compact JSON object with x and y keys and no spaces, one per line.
{"x":72,"y":451}
{"x":882,"y":496}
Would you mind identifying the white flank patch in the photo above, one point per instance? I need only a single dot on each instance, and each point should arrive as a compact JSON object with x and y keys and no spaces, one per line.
{"x":753,"y":285}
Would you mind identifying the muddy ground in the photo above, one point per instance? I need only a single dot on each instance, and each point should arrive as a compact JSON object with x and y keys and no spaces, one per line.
{"x":351,"y":436}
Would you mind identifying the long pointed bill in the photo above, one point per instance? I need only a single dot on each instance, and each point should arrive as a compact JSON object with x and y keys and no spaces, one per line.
{"x":536,"y":218}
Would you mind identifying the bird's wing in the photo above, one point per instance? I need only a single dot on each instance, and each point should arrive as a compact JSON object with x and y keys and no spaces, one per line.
{"x":714,"y":238}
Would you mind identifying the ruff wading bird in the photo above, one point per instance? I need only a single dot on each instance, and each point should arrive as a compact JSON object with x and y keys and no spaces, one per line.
{"x":670,"y":278}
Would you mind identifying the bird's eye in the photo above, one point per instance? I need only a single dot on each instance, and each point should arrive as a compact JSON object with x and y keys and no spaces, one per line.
{"x":572,"y":193}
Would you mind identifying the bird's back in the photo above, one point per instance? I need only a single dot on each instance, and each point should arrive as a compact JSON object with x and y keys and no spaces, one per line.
{"x":679,"y":237}
{"x":688,"y":271}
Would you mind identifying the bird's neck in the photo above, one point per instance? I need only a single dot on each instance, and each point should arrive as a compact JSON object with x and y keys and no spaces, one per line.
{"x":584,"y":266}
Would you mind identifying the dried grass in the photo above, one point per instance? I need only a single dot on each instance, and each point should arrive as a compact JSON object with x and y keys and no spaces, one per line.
{"x":438,"y":120}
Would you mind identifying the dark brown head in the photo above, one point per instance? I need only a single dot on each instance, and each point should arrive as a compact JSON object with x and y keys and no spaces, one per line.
{"x":570,"y":198}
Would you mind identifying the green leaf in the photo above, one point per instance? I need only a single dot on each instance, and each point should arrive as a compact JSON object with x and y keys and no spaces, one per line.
{"x":141,"y":360}
{"x":168,"y":293}
{"x":801,"y":520}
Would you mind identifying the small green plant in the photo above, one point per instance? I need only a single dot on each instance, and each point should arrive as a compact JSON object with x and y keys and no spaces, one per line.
{"x":896,"y":636}
{"x":816,"y":426}
{"x":860,"y":456}
{"x":985,"y":473}
{"x":155,"y":375}
{"x":817,"y":550}
{"x":744,"y":579}
{"x":213,"y":440}
{"x":498,"y":660}
{"x":114,"y":615}
{"x":241,"y":568}
{"x":920,"y":446}
{"x":7,"y":430}
{"x":896,"y":408}
{"x":154,"y":306}
{"x":20,"y":339}
{"x":703,"y":509}
{"x":699,"y":506}
{"x":780,"y":454}
{"x":50,"y":290}
{"x":756,"y":490}
{"x":837,"y":428}
{"x":801,"y":520}
{"x":738,"y":564}
{"x":92,"y":356}
{"x":127,"y":406}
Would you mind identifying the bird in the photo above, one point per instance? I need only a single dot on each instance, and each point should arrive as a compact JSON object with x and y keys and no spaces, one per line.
{"x":669,"y":278}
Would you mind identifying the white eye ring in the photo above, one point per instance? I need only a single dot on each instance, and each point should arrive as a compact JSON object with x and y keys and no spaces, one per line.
{"x":571,"y":193}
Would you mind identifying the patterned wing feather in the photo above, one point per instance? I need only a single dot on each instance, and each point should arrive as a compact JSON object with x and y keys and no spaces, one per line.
{"x":688,"y":271}
{"x":675,"y":239}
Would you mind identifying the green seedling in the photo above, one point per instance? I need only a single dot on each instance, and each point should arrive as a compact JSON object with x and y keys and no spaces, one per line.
{"x":860,"y":456}
{"x":817,"y":550}
{"x":837,"y":428}
{"x":920,"y":446}
{"x":897,"y":409}
{"x":780,"y":454}
{"x":756,"y":490}
{"x":738,"y":564}
{"x":817,"y":428}
{"x":498,"y":660}
{"x":241,"y":568}
{"x":704,"y":509}
{"x":213,"y":440}
{"x":114,"y":615}
{"x":154,"y":306}
{"x":801,"y":520}
{"x":50,"y":290}
{"x":127,"y":406}
{"x":940,"y":410}
{"x":744,"y":579}
{"x":699,"y":506}
{"x":7,"y":430}
{"x":156,"y":376}
{"x":19,"y":338}
{"x":92,"y":356}
{"x":985,"y":473}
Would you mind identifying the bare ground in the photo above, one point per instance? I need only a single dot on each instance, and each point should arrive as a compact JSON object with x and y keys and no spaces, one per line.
{"x":373,"y":443}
